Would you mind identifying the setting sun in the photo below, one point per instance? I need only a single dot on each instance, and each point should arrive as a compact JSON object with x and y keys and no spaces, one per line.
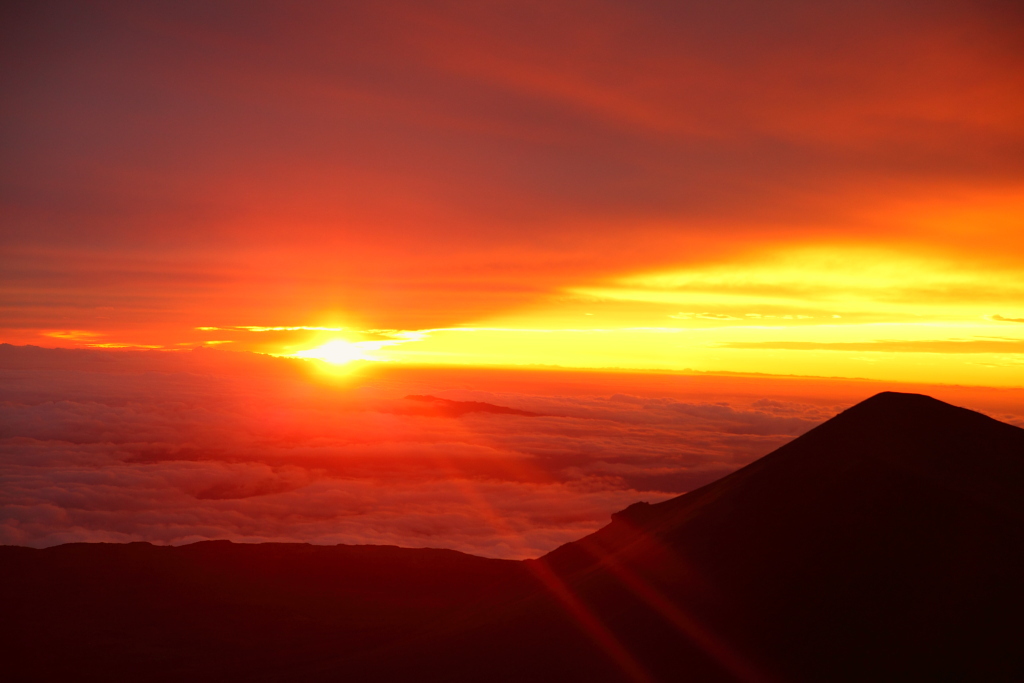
{"x":341,"y":351}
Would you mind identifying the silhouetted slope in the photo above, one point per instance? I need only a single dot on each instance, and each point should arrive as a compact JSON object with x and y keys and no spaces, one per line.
{"x":885,"y":544}
{"x":889,"y":436}
{"x":223,"y":611}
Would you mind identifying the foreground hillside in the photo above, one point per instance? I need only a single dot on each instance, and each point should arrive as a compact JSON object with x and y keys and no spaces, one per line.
{"x":885,"y":544}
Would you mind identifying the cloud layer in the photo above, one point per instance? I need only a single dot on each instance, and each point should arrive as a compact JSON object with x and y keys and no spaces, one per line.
{"x":176,"y":447}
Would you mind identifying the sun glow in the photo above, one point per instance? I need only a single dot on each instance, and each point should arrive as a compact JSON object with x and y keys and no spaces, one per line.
{"x":836,"y":310}
{"x":811,"y":311}
{"x":341,"y":351}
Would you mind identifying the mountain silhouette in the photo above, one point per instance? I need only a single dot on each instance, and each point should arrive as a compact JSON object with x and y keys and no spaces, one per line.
{"x":885,"y":544}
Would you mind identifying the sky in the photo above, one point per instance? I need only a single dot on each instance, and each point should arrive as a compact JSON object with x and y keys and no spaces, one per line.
{"x":794,"y":187}
{"x":370,"y":191}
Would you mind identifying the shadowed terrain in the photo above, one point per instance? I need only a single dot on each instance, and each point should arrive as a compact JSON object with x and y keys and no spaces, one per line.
{"x":885,"y":544}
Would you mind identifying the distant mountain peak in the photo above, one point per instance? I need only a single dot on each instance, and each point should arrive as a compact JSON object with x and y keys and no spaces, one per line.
{"x":865,"y":453}
{"x":903,"y":405}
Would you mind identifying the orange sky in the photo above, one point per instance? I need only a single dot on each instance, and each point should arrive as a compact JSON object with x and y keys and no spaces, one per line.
{"x":793,"y":188}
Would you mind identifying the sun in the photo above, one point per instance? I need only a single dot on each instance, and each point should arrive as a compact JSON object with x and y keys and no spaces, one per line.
{"x":339,"y":351}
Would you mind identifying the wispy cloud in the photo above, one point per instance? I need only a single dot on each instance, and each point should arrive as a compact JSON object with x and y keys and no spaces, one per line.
{"x":257,"y":328}
{"x":892,"y":346}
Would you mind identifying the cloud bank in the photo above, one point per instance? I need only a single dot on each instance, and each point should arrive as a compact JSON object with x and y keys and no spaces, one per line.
{"x":176,"y":447}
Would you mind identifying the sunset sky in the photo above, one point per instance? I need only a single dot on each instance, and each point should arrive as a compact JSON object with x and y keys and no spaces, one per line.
{"x":817,"y":189}
{"x":795,"y":187}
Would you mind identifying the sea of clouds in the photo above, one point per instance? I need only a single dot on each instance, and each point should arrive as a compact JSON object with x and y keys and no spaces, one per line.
{"x":172,"y":448}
